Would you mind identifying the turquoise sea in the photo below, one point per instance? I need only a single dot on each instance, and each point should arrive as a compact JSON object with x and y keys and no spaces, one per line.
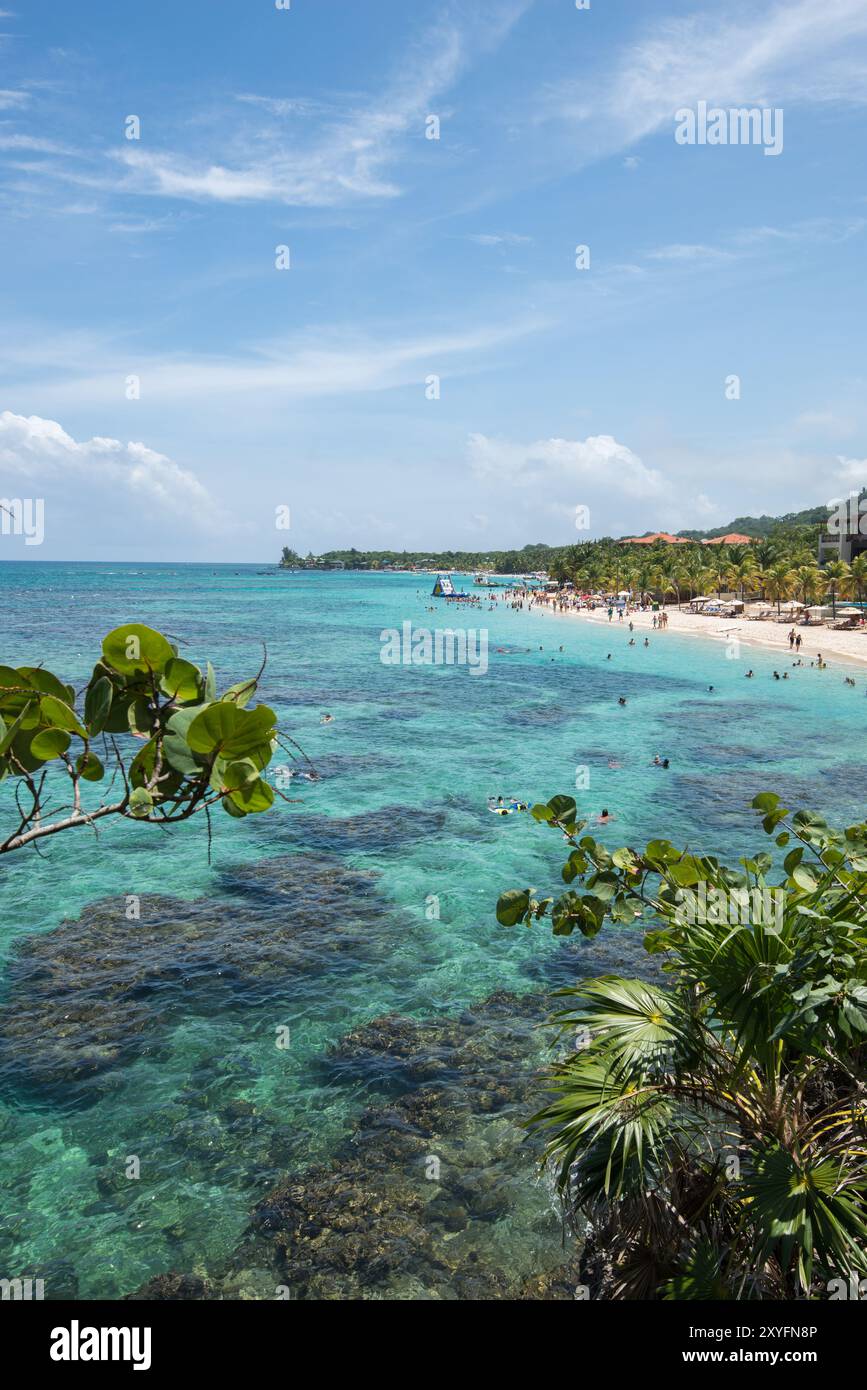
{"x":361,"y":919}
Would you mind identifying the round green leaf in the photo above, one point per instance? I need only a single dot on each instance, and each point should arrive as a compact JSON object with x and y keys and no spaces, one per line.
{"x":181,"y":680}
{"x":134,"y":648}
{"x":97,"y":703}
{"x":50,"y":743}
{"x":512,"y":906}
{"x":89,"y":767}
{"x":235,"y":732}
{"x":141,"y":803}
{"x":804,"y":879}
{"x":61,"y":715}
{"x":252,"y":796}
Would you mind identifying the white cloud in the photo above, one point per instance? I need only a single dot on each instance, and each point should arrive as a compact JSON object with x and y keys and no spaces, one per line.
{"x":794,"y":51}
{"x":826,"y":421}
{"x":499,"y":239}
{"x":11,"y":99}
{"x":852,"y":471}
{"x":599,"y":462}
{"x":689,"y":252}
{"x":32,"y":143}
{"x":319,"y":363}
{"x":38,"y":454}
{"x":346,"y":159}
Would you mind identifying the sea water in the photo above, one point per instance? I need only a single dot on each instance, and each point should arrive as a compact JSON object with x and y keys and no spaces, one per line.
{"x":407,"y":765}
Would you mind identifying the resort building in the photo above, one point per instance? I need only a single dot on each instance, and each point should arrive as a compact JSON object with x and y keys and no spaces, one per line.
{"x":844,"y":542}
{"x":652,"y":540}
{"x":733,"y":538}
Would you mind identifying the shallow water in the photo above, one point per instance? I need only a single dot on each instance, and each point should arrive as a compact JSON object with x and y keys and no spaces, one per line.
{"x":158,"y":1038}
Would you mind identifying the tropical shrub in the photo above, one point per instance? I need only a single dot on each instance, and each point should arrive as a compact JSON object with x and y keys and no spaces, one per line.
{"x":198,"y":748}
{"x":708,"y":1132}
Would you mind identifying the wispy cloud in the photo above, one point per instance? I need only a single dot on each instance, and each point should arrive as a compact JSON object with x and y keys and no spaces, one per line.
{"x":12,"y":99}
{"x":347,"y":158}
{"x":795,"y":51}
{"x":34,"y":143}
{"x":689,"y":252}
{"x":499,"y":239}
{"x":318,"y":363}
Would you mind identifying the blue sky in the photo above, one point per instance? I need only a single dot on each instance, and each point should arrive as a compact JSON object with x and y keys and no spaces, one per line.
{"x":411,"y":258}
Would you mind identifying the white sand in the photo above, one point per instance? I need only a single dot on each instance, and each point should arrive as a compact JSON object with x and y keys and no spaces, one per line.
{"x":846,"y":646}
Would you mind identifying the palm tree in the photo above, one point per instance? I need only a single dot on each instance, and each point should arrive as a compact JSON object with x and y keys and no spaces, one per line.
{"x":742,"y":571}
{"x":656,"y":575}
{"x":778,"y":582}
{"x":709,"y":1134}
{"x":670,"y":570}
{"x":858,"y":570}
{"x":694,"y":569}
{"x":839,"y":579}
{"x":720,"y":567}
{"x":767,"y":553}
{"x":809,"y":581}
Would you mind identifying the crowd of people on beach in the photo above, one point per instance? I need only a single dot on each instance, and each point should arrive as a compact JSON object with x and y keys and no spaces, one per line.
{"x":566,"y":601}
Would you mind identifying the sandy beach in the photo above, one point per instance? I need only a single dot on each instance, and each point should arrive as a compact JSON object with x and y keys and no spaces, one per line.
{"x":844,"y":646}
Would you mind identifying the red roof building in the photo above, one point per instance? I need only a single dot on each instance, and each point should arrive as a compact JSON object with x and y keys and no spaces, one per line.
{"x":651,"y":540}
{"x":733,"y":538}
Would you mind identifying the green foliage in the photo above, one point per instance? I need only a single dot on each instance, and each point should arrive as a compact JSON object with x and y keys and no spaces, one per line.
{"x":713,"y":1129}
{"x":196,"y":747}
{"x":787,"y":541}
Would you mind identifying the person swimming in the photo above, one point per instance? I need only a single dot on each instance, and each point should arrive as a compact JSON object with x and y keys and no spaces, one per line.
{"x":622,"y":700}
{"x":327,"y":719}
{"x":499,"y":808}
{"x":604,"y":816}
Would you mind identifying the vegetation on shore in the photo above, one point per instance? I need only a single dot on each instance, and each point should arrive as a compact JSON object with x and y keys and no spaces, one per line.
{"x":710,"y":1136}
{"x":780,"y":564}
{"x":777,"y":569}
{"x":197,"y":749}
